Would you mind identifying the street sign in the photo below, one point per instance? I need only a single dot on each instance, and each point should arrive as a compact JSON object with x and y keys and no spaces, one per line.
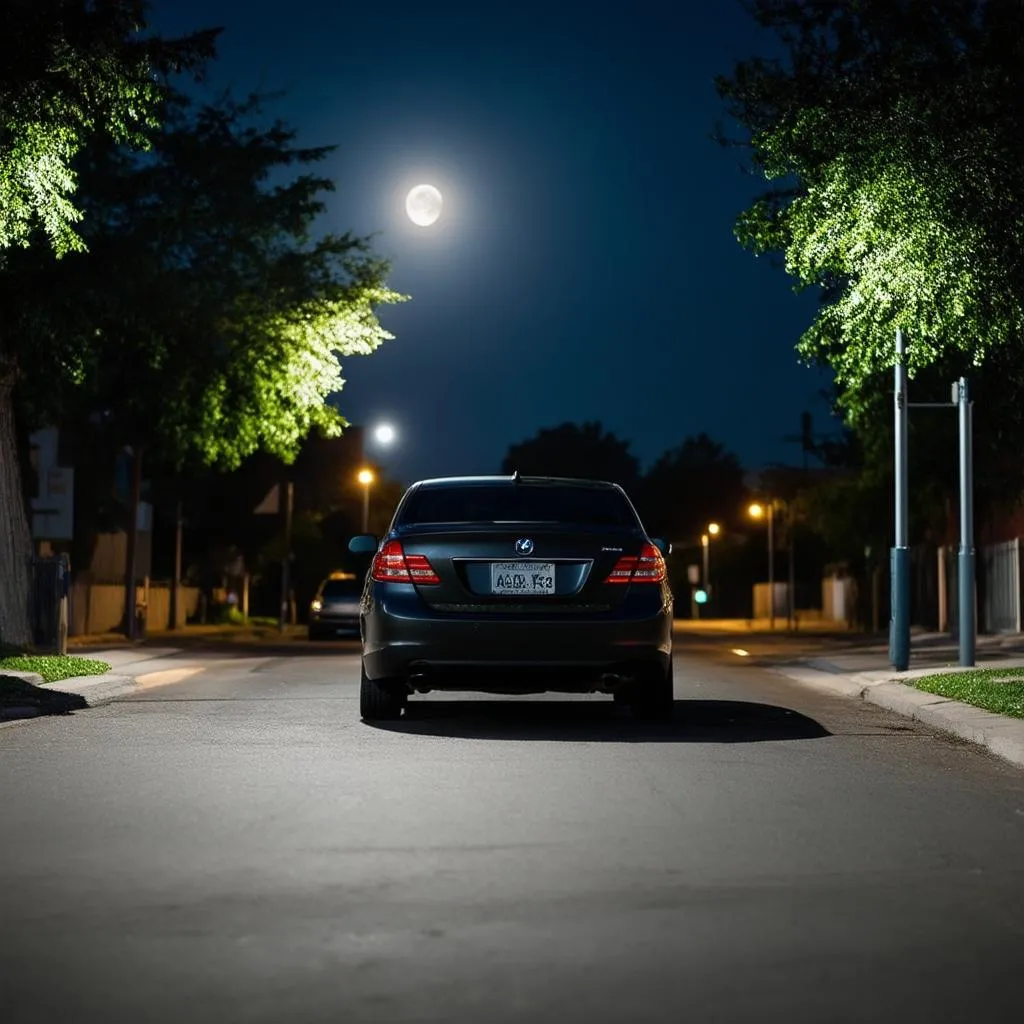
{"x":271,"y":504}
{"x":693,"y":574}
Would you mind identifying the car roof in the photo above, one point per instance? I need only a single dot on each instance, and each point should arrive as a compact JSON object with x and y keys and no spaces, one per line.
{"x":509,"y":481}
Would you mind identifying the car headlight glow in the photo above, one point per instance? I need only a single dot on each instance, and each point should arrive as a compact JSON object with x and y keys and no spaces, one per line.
{"x":316,"y":605}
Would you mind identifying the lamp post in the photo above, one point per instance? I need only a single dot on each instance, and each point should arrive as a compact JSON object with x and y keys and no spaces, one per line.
{"x":366,"y":479}
{"x":758,"y":511}
{"x":705,"y":542}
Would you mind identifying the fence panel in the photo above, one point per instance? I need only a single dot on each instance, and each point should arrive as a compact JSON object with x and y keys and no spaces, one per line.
{"x":1000,"y":564}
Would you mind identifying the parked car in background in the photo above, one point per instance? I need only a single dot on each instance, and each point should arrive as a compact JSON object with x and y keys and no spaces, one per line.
{"x":335,"y":608}
{"x":516,"y":585}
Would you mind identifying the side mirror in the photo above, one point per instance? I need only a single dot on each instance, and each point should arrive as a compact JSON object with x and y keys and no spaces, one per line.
{"x":662,"y":545}
{"x":363,"y":544}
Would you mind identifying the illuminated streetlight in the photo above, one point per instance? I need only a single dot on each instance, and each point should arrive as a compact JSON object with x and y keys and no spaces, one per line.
{"x":713,"y":530}
{"x":366,"y":479}
{"x":759,"y":511}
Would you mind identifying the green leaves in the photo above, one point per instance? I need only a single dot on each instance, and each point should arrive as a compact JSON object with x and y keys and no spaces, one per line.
{"x":205,"y":322}
{"x":896,"y":132}
{"x":71,"y":70}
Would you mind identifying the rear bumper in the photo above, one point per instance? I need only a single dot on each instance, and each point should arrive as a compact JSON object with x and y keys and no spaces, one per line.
{"x":403,"y":639}
{"x":333,"y":620}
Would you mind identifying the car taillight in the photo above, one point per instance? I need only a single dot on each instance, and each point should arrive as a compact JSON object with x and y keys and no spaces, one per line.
{"x":392,"y":565}
{"x":649,"y":567}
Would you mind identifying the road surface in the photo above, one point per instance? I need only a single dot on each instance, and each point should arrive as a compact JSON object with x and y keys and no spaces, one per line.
{"x":240,"y":847}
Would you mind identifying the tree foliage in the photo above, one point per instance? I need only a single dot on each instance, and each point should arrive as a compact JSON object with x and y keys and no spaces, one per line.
{"x":585,"y":451}
{"x":71,"y":70}
{"x":894,"y":134}
{"x":206,"y":320}
{"x":693,"y":484}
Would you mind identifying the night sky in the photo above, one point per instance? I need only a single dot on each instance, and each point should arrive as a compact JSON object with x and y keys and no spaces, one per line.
{"x":584,"y":267}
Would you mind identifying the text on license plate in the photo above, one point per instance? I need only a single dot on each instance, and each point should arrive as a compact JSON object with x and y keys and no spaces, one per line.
{"x":522,"y":577}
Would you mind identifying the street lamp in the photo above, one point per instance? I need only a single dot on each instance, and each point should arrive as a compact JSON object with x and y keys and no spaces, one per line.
{"x":366,"y":479}
{"x":759,"y":511}
{"x":705,"y":542}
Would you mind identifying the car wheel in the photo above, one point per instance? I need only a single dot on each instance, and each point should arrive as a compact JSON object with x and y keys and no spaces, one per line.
{"x":654,"y":695}
{"x":379,"y":701}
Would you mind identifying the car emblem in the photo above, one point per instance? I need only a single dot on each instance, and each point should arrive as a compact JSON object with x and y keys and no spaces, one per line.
{"x":524,"y":546}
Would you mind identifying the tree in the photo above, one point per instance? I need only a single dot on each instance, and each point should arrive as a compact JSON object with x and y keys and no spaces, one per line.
{"x":689,"y":486}
{"x":586,"y":451}
{"x":894,"y":132}
{"x":205,"y":321}
{"x":69,"y":70}
{"x":210,"y":315}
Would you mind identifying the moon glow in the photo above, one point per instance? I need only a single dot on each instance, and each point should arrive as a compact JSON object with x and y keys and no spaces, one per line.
{"x":423,"y":205}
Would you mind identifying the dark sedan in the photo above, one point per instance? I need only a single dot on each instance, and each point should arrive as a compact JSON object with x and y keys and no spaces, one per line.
{"x":515,"y":585}
{"x":335,"y":606}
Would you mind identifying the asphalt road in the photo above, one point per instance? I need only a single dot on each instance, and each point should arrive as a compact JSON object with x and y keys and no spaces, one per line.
{"x":240,"y":847}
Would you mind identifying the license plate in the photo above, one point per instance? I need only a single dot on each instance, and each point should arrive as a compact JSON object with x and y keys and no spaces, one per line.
{"x":519,"y":578}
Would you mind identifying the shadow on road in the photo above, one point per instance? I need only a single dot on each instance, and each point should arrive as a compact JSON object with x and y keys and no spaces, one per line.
{"x":693,"y":721}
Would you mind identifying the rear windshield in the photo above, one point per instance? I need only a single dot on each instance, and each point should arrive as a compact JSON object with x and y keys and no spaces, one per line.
{"x":341,"y":588}
{"x":519,"y":503}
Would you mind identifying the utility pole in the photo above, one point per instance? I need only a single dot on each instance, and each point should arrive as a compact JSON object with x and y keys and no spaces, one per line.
{"x":965,"y":566}
{"x":131,"y":630}
{"x":771,"y":564}
{"x":286,"y":558}
{"x":176,"y":584}
{"x":899,"y":623}
{"x":791,"y":520}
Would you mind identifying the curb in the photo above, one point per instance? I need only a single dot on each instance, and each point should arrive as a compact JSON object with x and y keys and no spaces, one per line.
{"x":97,"y":690}
{"x":1000,"y":734}
{"x":91,"y":691}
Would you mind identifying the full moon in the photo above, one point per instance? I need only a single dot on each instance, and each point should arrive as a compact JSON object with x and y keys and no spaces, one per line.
{"x":423,"y":204}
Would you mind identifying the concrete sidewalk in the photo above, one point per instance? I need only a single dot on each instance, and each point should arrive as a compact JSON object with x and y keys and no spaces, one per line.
{"x":132,"y":668}
{"x":864,"y":673}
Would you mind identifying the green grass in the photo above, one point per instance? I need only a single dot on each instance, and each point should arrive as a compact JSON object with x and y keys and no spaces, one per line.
{"x":995,"y":689}
{"x":54,"y":667}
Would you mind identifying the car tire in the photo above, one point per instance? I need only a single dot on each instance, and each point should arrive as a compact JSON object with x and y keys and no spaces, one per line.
{"x":654,"y":695}
{"x":379,"y":701}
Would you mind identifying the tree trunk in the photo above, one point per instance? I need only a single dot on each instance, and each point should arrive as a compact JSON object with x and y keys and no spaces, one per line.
{"x":15,"y":538}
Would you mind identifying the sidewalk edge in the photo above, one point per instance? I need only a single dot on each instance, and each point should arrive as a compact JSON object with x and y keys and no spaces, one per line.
{"x":1000,"y":734}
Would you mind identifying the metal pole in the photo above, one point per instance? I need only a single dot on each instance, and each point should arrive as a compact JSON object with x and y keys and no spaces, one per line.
{"x":792,"y":571}
{"x":287,"y":557}
{"x":366,"y":508}
{"x":771,"y":565}
{"x":176,"y":585}
{"x":705,"y":543}
{"x":899,"y":623}
{"x":132,"y":546}
{"x":965,"y":568}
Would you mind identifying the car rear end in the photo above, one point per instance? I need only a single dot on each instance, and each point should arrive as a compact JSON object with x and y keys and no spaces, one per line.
{"x":517,"y":585}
